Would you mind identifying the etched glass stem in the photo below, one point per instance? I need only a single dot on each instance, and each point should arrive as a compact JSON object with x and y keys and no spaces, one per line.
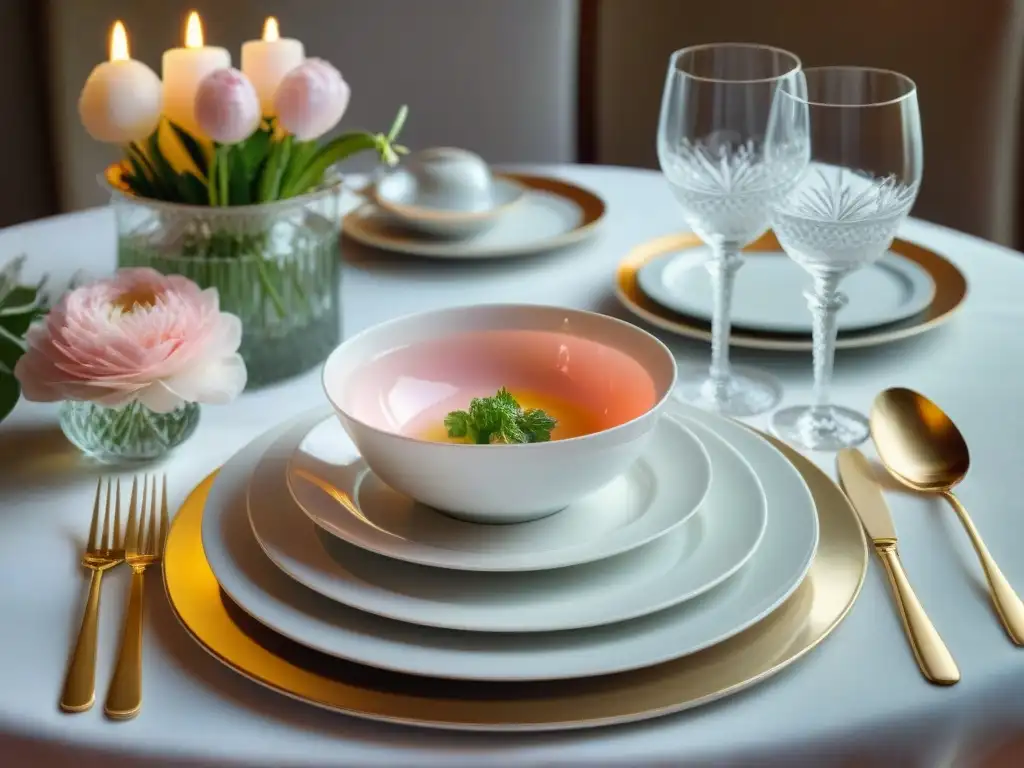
{"x":722,"y":268}
{"x":825,"y":301}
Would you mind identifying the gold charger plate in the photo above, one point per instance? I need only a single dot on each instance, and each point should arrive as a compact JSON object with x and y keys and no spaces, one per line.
{"x":803,"y":621}
{"x":369,"y":226}
{"x":950,"y":292}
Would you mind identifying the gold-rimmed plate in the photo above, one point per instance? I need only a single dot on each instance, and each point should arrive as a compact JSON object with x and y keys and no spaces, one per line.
{"x":789,"y":632}
{"x":554,"y":214}
{"x":950,"y":292}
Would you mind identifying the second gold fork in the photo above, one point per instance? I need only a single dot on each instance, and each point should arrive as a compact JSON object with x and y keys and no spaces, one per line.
{"x":144,"y":543}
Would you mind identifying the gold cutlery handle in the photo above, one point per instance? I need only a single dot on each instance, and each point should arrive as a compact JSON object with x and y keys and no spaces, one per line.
{"x":80,"y":683}
{"x":1008,"y":605}
{"x":932,"y":656}
{"x":124,"y":699}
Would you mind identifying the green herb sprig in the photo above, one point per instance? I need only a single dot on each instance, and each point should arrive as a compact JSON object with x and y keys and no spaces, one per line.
{"x":499,"y":420}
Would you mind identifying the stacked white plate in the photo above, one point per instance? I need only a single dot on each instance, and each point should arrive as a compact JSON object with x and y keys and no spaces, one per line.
{"x":708,"y":532}
{"x":769,"y":292}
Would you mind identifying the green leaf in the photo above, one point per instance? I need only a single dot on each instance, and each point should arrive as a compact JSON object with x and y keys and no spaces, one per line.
{"x":20,"y":298}
{"x":194,"y":149}
{"x":457,"y":423}
{"x":137,"y":179}
{"x":238,"y":177}
{"x":136,"y":153}
{"x":270,"y":183}
{"x":9,"y":394}
{"x":192,"y":189}
{"x":254,"y":152}
{"x":140,"y":188}
{"x":536,"y":425}
{"x":331,"y":153}
{"x":11,"y":348}
{"x":144,"y":175}
{"x":302,"y":154}
{"x":508,"y":433}
{"x":17,"y":324}
{"x":164,"y":178}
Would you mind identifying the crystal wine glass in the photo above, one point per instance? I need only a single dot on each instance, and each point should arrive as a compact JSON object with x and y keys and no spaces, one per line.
{"x":726,"y":169}
{"x":866,"y":153}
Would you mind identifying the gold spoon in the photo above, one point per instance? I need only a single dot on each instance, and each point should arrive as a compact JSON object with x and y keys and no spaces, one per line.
{"x":922,"y":448}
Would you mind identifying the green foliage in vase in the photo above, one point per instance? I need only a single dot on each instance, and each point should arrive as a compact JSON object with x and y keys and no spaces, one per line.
{"x":264,"y":168}
{"x":20,"y":305}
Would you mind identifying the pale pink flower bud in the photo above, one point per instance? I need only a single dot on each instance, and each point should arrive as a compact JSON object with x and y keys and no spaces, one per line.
{"x":311,"y":99}
{"x":227,"y":108}
{"x":138,"y":336}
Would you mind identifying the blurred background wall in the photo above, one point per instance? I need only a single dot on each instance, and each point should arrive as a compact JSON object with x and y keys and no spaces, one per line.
{"x":536,"y":80}
{"x":966,"y":58}
{"x":26,"y":149}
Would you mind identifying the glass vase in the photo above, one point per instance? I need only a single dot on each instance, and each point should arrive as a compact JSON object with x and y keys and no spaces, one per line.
{"x":131,"y":433}
{"x":275,"y":265}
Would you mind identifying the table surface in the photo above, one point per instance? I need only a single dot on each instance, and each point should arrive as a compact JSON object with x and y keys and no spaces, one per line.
{"x":858,"y":698}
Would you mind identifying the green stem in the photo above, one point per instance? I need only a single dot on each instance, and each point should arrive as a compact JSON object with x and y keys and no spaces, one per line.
{"x":269,"y":289}
{"x":211,"y":182}
{"x":224,"y":169}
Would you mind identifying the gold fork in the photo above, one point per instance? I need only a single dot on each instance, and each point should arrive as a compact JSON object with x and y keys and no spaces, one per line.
{"x":144,"y":544}
{"x":101,"y":553}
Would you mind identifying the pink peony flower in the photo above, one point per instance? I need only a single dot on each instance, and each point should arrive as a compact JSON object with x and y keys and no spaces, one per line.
{"x":227,"y":108}
{"x":311,"y":99}
{"x":137,"y":336}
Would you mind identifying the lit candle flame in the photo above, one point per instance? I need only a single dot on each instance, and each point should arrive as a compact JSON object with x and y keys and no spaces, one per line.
{"x":118,"y":43}
{"x":270,"y":30}
{"x":194,"y":31}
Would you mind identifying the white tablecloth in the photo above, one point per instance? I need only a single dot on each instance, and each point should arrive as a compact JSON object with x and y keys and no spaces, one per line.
{"x":856,"y":700}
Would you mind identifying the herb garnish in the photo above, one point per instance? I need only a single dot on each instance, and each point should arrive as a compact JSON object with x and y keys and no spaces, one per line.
{"x":499,"y":419}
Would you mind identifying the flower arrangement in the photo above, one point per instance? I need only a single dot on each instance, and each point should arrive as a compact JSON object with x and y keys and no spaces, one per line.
{"x":20,"y":305}
{"x":235,"y":149}
{"x":227,"y":179}
{"x":132,"y":356}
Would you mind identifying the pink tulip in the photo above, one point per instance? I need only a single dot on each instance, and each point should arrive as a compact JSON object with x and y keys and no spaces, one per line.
{"x":140,"y":336}
{"x":311,"y":99}
{"x":227,"y":108}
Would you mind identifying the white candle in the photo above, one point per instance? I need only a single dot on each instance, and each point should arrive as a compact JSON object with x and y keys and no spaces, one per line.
{"x":265,"y":62}
{"x":183,"y":69}
{"x":120,"y":101}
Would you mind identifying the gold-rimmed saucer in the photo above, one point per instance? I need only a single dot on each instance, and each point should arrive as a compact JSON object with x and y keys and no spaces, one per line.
{"x":576,"y":211}
{"x":950,"y":292}
{"x":800,"y":624}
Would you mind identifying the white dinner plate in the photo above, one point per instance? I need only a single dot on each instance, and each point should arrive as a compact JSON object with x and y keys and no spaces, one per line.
{"x":333,"y":485}
{"x":271,"y":597}
{"x":552,"y":214}
{"x":769,"y":291}
{"x":677,"y":567}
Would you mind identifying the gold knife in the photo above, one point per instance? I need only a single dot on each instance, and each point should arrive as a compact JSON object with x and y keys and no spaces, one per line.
{"x":859,"y":483}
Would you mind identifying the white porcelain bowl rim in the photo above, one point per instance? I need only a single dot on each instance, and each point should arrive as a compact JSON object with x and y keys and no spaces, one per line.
{"x":492,"y":448}
{"x":503,"y":194}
